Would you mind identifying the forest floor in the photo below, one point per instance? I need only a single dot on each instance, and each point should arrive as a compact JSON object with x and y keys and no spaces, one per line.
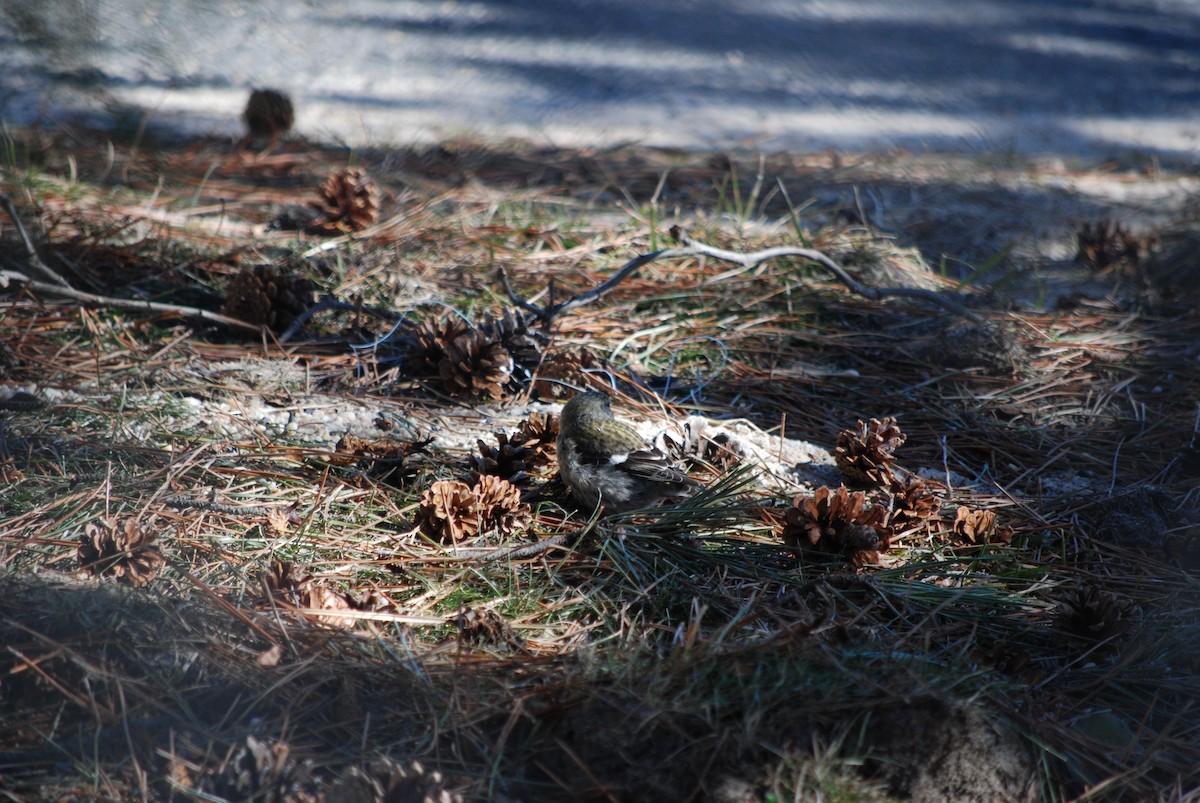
{"x":279,"y":517}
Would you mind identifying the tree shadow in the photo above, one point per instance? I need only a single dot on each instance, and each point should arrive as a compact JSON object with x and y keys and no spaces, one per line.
{"x":1083,"y":77}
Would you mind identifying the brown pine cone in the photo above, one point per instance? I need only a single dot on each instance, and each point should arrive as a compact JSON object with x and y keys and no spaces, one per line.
{"x":122,"y":549}
{"x":268,"y":115}
{"x":836,"y":522}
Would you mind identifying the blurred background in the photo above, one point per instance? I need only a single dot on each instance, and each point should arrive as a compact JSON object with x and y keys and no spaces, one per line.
{"x":1092,"y":78}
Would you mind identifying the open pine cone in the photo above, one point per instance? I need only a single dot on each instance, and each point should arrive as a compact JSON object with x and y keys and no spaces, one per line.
{"x":836,"y":522}
{"x":1105,"y":244}
{"x":264,"y":771}
{"x":500,"y":504}
{"x":285,"y":578}
{"x":386,"y":781}
{"x":122,"y":549}
{"x":474,"y":361}
{"x":268,"y":296}
{"x":563,"y":370}
{"x":349,"y":202}
{"x":290,"y":585}
{"x":385,"y":460}
{"x":531,"y":446}
{"x":508,"y":460}
{"x":865,"y":454}
{"x":1094,"y":615}
{"x":913,"y":504}
{"x":485,"y":626}
{"x":540,"y":433}
{"x":475,"y":366}
{"x":425,"y":345}
{"x":453,"y":511}
{"x":511,"y":330}
{"x":979,"y":527}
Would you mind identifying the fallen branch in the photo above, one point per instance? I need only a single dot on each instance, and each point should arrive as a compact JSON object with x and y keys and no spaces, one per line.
{"x":66,"y":291}
{"x":551,"y":310}
{"x":690,"y":247}
{"x":565,"y":541}
{"x":58,"y":286}
{"x":333,"y":304}
{"x":34,"y":260}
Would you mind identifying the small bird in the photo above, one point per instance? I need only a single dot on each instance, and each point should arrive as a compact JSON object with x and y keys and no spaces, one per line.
{"x":268,"y":114}
{"x":605,"y":462}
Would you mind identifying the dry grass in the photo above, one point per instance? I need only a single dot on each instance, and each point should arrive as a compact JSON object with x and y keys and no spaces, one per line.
{"x":686,"y":655}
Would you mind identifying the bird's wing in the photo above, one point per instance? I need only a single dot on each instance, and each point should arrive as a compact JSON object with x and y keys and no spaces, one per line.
{"x":652,"y":465}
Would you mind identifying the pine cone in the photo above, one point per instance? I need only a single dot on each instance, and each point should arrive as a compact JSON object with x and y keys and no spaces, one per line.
{"x":268,"y":115}
{"x":978,"y":527}
{"x":500,"y":504}
{"x":349,"y":202}
{"x":913,"y":504}
{"x":263,"y":771}
{"x":540,"y":434}
{"x":453,"y":511}
{"x":268,"y":296}
{"x":293,"y":586}
{"x":386,"y":781}
{"x":121,"y":548}
{"x":1106,"y":244}
{"x":384,"y":460}
{"x":511,"y":330}
{"x":485,"y":626}
{"x":425,"y":346}
{"x":507,"y":460}
{"x":449,"y":512}
{"x":1094,"y":614}
{"x":286,"y":578}
{"x":469,"y":362}
{"x":562,"y":371}
{"x":532,"y":445}
{"x":835,"y":522}
{"x":865,"y":455}
{"x":475,"y":366}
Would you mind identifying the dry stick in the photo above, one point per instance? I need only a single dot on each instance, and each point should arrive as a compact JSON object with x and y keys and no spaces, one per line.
{"x":565,"y":541}
{"x":746,"y":260}
{"x":548,"y":313}
{"x":124,"y":303}
{"x":34,"y":259}
{"x":60,"y":287}
{"x":181,"y":502}
{"x":328,"y":304}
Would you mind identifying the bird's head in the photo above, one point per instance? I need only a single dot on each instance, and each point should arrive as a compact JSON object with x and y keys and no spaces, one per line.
{"x":591,"y":405}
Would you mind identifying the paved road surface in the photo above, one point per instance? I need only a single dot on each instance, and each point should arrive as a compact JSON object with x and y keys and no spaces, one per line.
{"x":1070,"y":77}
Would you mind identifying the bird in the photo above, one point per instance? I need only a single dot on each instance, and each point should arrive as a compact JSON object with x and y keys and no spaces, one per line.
{"x":268,"y":114}
{"x":603,"y":461}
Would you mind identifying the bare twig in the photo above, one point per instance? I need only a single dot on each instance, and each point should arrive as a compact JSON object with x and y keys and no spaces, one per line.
{"x":58,"y":286}
{"x":333,"y":304}
{"x":747,"y":260}
{"x":34,"y":259}
{"x":565,"y":541}
{"x":181,"y":502}
{"x":756,"y":258}
{"x":66,"y":291}
{"x":551,"y":311}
